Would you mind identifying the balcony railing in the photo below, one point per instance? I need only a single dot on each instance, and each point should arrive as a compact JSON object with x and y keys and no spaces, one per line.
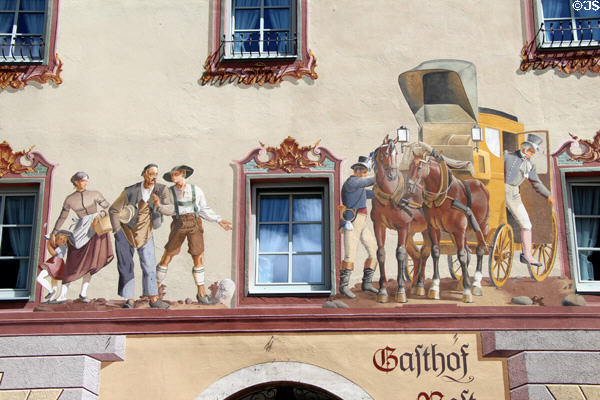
{"x":22,"y":49}
{"x":562,"y":34}
{"x":249,"y":45}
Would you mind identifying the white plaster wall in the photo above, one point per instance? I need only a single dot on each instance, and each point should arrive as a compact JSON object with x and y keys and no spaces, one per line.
{"x":131,"y":96}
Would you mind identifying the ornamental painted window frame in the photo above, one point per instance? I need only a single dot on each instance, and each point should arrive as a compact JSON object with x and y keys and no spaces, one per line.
{"x":17,"y":73}
{"x":566,"y":57}
{"x":219,"y":68}
{"x":288,"y":165}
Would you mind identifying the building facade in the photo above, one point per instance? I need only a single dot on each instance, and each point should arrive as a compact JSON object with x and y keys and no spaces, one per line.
{"x":267,"y":105}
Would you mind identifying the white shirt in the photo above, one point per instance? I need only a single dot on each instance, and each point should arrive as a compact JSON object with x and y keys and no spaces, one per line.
{"x":146,"y":192}
{"x":204,"y":210}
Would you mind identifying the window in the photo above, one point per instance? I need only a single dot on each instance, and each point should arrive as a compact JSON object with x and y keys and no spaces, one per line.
{"x":584,"y":206}
{"x":568,"y":23}
{"x":259,"y":41}
{"x":23,"y":31}
{"x":291,"y":231}
{"x":18,"y":216}
{"x":260,"y":29}
{"x":555,"y":28}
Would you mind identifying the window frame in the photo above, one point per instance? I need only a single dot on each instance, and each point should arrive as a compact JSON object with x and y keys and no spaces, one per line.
{"x":36,"y":188}
{"x":568,"y":60}
{"x":580,"y":285}
{"x":228,"y":31}
{"x":290,"y":288}
{"x":257,"y":71}
{"x":46,"y":36}
{"x":538,"y":15}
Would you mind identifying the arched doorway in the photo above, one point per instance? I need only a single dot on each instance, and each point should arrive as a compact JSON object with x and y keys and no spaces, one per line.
{"x":283,"y":391}
{"x":304,"y":381}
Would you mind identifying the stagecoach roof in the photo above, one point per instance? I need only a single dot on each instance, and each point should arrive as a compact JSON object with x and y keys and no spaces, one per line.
{"x":441,"y":83}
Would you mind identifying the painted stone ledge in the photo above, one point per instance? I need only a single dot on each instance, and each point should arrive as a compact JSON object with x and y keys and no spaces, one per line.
{"x":554,"y":392}
{"x":507,"y":343}
{"x":50,"y":372}
{"x":100,"y":347}
{"x":531,"y":392}
{"x":47,"y":394}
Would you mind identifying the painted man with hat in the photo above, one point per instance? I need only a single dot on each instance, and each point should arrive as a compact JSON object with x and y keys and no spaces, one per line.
{"x":356,"y":226}
{"x":133,"y":217}
{"x":517,"y":168}
{"x":187,"y":205}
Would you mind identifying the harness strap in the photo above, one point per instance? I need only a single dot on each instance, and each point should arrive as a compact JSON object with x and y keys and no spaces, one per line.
{"x":435,"y":199}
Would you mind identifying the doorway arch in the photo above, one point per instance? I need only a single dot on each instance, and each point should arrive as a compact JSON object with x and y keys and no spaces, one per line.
{"x":283,"y":374}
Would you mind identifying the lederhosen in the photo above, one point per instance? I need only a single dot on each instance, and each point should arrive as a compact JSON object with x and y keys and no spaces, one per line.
{"x":186,"y":226}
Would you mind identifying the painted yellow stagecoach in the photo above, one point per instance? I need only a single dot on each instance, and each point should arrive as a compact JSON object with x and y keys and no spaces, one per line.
{"x":442,"y":95}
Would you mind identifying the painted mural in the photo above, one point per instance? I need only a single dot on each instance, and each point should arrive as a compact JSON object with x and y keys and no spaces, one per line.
{"x":473,"y":184}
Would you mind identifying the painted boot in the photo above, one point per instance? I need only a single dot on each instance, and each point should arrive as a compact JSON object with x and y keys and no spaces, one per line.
{"x":368,"y":277}
{"x":344,"y":280}
{"x":526,"y":257}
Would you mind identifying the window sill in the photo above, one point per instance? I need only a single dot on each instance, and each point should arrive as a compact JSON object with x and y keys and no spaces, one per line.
{"x":17,"y":75}
{"x":250,"y":71}
{"x":567,"y":59}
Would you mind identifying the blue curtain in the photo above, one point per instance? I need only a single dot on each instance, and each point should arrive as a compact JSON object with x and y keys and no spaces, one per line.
{"x":278,"y":19}
{"x":246,"y":19}
{"x":31,"y":23}
{"x":19,"y":211}
{"x":588,"y":29}
{"x":586,"y":201}
{"x":6,"y":24}
{"x":557,"y":30}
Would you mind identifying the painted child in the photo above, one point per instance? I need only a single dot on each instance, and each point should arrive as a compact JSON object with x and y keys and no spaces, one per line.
{"x":55,"y":265}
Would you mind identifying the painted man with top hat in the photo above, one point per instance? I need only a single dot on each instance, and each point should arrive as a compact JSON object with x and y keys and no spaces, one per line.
{"x":517,"y":168}
{"x":356,"y":227}
{"x":187,"y":205}
{"x":133,"y":218}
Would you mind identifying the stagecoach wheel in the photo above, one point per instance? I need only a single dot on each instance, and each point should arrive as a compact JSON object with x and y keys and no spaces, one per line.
{"x":545,"y":253}
{"x":454,"y":267}
{"x":410,"y":273}
{"x":501,"y":255}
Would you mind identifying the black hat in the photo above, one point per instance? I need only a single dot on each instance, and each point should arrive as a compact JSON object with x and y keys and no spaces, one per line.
{"x":534,"y":141}
{"x":363,"y":162}
{"x":188,"y":171}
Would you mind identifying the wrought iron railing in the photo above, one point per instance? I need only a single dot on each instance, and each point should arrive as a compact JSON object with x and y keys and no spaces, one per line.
{"x":249,"y":45}
{"x":562,"y":34}
{"x":22,"y":49}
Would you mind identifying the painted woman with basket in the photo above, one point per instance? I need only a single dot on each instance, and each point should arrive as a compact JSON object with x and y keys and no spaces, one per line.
{"x":354,"y":222}
{"x":89,"y":248}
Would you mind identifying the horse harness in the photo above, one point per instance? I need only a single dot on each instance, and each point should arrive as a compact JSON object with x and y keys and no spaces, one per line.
{"x":394,"y":199}
{"x":435,"y":199}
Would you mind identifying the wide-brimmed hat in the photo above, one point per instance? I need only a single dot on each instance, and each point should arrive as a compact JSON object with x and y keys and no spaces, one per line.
{"x":188,"y":171}
{"x":534,"y":141}
{"x":363,"y":162}
{"x":126,"y":213}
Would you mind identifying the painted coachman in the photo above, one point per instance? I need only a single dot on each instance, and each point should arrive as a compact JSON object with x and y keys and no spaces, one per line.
{"x":356,"y":227}
{"x":517,"y":168}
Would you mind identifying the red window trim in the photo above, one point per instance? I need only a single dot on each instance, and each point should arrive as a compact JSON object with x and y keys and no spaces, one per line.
{"x":251,"y":169}
{"x":250,"y":72}
{"x":17,"y":76}
{"x":568,"y":61}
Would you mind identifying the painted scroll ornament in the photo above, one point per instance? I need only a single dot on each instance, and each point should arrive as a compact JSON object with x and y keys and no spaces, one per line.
{"x":10,"y":161}
{"x":290,"y":156}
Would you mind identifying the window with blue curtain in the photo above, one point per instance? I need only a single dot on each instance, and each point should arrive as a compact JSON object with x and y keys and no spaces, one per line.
{"x":568,"y":23}
{"x":292,"y":242}
{"x":585,"y":208}
{"x":17,"y":221}
{"x":22,"y":30}
{"x":262,"y":29}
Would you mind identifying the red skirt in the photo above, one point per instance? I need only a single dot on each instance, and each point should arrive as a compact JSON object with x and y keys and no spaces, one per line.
{"x":55,"y":267}
{"x":90,"y":258}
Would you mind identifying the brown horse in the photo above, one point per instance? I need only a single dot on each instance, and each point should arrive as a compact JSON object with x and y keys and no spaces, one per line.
{"x":391,"y":211}
{"x":452,"y":205}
